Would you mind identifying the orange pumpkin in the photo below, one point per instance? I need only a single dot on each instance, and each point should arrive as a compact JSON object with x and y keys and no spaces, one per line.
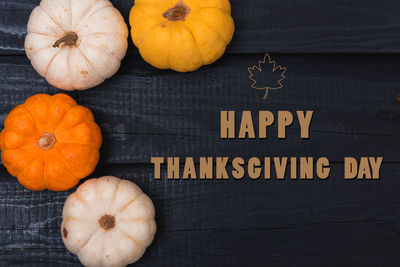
{"x":50,"y":142}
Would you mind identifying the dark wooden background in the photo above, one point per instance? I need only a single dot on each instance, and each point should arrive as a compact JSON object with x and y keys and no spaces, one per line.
{"x":343,"y":63}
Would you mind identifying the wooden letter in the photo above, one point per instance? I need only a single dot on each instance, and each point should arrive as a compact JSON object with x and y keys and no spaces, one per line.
{"x":376,"y":167}
{"x":323,"y":169}
{"x":157,"y":167}
{"x":265,"y":119}
{"x":221,"y":168}
{"x":305,"y":122}
{"x":306,"y":168}
{"x":246,"y":126}
{"x":238,"y":171}
{"x":173,"y":168}
{"x":285,"y":119}
{"x":364,"y":170}
{"x":189,"y":169}
{"x":267,"y":168}
{"x":254,"y":168}
{"x":227,"y":124}
{"x":206,"y":168}
{"x":350,"y":168}
{"x":280,"y":167}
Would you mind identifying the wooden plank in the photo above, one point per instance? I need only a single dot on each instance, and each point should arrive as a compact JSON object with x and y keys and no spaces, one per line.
{"x":244,"y":204}
{"x":270,"y":25}
{"x":307,"y":245}
{"x":144,"y":112}
{"x":227,"y":222}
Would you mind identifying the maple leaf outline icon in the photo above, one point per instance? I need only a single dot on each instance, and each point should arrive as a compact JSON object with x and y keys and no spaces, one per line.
{"x":259,"y":68}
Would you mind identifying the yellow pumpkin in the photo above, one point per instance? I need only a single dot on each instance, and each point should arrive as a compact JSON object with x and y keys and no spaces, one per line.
{"x":181,"y":35}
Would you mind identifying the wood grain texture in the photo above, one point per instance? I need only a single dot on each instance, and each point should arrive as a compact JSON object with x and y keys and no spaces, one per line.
{"x":235,"y":223}
{"x":269,"y":25}
{"x":145,"y":112}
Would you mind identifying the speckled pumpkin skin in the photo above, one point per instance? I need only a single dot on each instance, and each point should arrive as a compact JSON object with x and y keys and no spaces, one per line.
{"x":123,"y":237}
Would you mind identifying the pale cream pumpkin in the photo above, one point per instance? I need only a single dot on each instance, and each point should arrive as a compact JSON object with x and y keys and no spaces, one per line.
{"x":108,"y":222}
{"x":76,"y":44}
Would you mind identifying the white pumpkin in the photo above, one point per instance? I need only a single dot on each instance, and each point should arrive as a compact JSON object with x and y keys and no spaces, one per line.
{"x":76,"y":44}
{"x":108,"y":222}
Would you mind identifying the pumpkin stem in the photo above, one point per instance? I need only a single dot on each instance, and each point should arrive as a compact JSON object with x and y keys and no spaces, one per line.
{"x":69,"y":39}
{"x":107,"y":222}
{"x":178,"y":12}
{"x":47,"y":141}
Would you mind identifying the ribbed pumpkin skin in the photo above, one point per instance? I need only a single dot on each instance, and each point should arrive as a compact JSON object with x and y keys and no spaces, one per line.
{"x":56,"y":163}
{"x":108,"y":222}
{"x":76,"y":44}
{"x":181,"y":35}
